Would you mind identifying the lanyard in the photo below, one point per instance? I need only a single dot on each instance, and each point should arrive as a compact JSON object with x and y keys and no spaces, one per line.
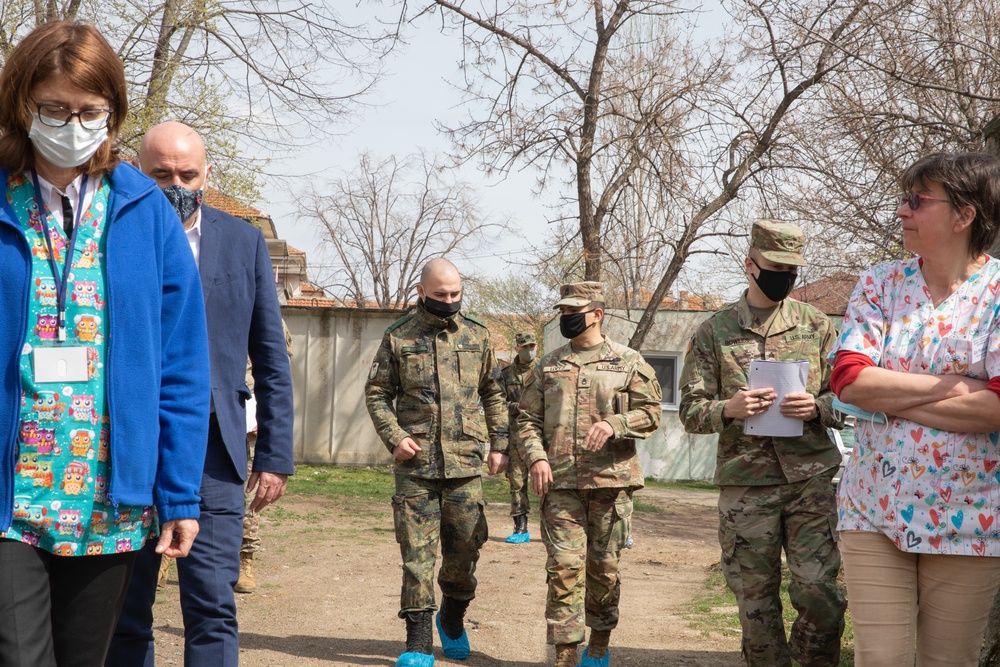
{"x":61,"y":282}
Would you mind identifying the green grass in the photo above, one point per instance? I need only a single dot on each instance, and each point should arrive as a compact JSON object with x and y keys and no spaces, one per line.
{"x":713,"y":612}
{"x":682,"y":485}
{"x":369,"y":483}
{"x":643,"y":506}
{"x":363,"y":483}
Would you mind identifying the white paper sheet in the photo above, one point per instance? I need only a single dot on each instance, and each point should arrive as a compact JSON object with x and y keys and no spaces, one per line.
{"x":785,"y":377}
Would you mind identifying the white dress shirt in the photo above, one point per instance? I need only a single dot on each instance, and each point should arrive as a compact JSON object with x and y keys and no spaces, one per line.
{"x":194,"y":237}
{"x":53,"y":197}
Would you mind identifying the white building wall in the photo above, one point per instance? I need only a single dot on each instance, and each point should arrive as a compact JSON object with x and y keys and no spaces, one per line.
{"x":332,"y":352}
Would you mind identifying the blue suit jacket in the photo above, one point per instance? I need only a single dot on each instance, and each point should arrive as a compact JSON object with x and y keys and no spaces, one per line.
{"x":244,"y":317}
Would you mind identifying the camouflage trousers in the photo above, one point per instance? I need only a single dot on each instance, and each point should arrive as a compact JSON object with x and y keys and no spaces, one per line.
{"x":426,"y":511}
{"x":251,"y":520}
{"x":755,"y":523}
{"x":517,"y":475}
{"x":583,"y":531}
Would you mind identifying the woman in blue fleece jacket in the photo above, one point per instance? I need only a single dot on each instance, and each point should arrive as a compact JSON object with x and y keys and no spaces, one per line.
{"x":103,"y":355}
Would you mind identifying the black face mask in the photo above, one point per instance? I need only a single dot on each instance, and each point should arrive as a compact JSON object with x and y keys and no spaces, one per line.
{"x":440,"y":308}
{"x":776,"y":285}
{"x":572,"y":325}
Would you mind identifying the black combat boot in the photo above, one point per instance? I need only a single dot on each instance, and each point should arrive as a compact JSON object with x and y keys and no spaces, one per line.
{"x":451,"y":628}
{"x":520,"y":534}
{"x":453,"y":616}
{"x":419,"y":635}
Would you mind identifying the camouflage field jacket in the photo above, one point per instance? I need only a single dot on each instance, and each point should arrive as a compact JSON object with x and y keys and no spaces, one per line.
{"x":564,"y":397}
{"x":512,"y":379}
{"x":433,"y":379}
{"x":717,"y":365}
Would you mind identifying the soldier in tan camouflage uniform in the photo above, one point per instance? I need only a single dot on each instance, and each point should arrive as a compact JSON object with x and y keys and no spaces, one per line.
{"x":512,"y":378}
{"x":433,"y":371}
{"x":775,"y":492}
{"x":247,"y":583}
{"x":580,"y":413}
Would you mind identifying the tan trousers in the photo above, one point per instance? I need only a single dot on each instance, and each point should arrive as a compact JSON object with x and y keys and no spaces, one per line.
{"x":902,"y":604}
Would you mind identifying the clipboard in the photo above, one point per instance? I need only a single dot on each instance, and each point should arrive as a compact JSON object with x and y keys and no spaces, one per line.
{"x":785,"y":377}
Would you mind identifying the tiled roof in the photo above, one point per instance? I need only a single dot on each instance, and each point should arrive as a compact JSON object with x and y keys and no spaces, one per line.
{"x":231,"y":205}
{"x":313,"y":302}
{"x":829,"y":295}
{"x":685,"y":301}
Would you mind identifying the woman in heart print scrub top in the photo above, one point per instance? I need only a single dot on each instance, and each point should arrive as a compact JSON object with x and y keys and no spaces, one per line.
{"x":920,"y":499}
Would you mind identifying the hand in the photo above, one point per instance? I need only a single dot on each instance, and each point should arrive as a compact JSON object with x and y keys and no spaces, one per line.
{"x":176,"y":537}
{"x":406,"y":450}
{"x":598,"y":435}
{"x":799,"y":406}
{"x":270,"y":486}
{"x":497,"y":462}
{"x":748,"y":402}
{"x":541,"y":477}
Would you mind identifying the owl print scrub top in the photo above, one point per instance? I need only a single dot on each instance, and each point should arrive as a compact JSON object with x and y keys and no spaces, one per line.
{"x":930,"y":491}
{"x":63,"y":467}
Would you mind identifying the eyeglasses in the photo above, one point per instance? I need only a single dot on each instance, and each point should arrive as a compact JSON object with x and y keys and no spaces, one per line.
{"x":54,"y":115}
{"x":913,"y":199}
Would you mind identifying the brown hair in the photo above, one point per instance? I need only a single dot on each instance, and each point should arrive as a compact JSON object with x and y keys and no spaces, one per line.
{"x":72,"y":50}
{"x":969,"y":179}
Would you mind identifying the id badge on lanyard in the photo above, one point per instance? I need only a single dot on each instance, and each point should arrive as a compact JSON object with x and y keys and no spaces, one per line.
{"x":60,"y":363}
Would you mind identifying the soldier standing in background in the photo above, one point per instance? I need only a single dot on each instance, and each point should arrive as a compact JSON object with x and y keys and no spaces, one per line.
{"x":247,"y":583}
{"x":513,"y":377}
{"x":433,"y":370}
{"x":581,"y":409}
{"x":774,"y":491}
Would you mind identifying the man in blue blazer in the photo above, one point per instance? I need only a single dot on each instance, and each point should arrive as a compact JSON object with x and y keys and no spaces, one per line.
{"x":244,"y":318}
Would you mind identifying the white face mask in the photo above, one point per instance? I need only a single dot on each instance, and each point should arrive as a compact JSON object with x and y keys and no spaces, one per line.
{"x":68,"y":146}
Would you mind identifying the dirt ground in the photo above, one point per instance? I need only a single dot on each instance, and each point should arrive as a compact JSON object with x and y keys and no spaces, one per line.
{"x":328,"y":591}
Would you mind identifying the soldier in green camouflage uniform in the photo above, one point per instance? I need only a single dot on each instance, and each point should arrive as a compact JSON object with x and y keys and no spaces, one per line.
{"x":775,"y":491}
{"x":580,"y":413}
{"x":512,"y":379}
{"x":430,"y":378}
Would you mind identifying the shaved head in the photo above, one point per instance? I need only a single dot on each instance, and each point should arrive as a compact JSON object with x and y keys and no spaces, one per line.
{"x":171,"y":137}
{"x":172,"y":153}
{"x":436,"y":269}
{"x":440,"y":280}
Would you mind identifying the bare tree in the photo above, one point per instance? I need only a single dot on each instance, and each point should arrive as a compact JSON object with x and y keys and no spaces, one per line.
{"x":248,"y":74}
{"x":657,"y":146}
{"x":512,"y":303}
{"x":586,"y":85}
{"x":926,"y":79}
{"x":384,"y":219}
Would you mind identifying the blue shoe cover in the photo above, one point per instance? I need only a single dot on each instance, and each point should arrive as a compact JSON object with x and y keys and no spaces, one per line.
{"x":456,"y":649}
{"x":412,"y":659}
{"x":519,"y":538}
{"x":587,"y":661}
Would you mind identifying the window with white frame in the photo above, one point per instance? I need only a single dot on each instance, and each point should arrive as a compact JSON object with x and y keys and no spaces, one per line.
{"x":667,"y":368}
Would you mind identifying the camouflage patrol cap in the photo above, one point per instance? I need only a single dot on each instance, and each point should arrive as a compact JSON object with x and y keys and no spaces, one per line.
{"x":778,"y":242}
{"x":580,"y":294}
{"x":524,"y":338}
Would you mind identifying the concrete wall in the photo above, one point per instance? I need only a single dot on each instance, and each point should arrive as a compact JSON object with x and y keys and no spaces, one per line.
{"x":332,"y":351}
{"x":670,"y":453}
